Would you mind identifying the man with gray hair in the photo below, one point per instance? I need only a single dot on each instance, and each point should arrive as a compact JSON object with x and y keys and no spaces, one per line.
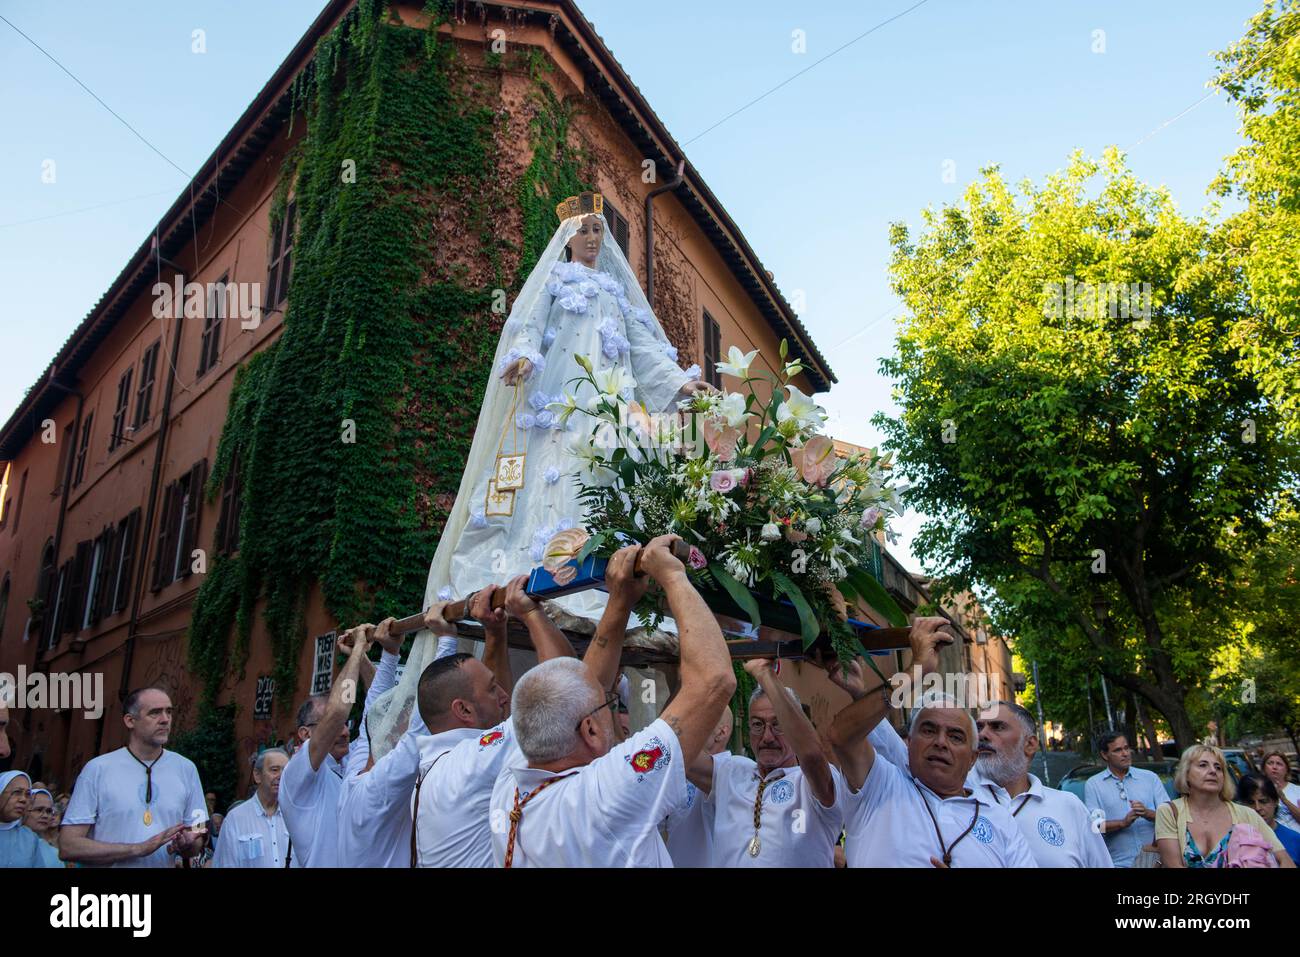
{"x":584,"y":799}
{"x":254,"y":833}
{"x":1055,"y":824}
{"x":922,"y":813}
{"x":780,"y":809}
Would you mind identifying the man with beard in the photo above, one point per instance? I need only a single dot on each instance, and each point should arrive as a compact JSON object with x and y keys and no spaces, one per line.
{"x":253,"y":833}
{"x":922,"y":813}
{"x":1055,"y":824}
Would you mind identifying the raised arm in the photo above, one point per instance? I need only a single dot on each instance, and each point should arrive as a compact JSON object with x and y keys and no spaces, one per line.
{"x":342,"y":695}
{"x":496,"y":653}
{"x":798,"y":730}
{"x":547,"y":639}
{"x":625,"y":590}
{"x":707,"y":681}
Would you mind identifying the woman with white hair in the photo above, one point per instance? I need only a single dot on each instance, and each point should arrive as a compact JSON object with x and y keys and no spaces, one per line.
{"x":19,"y":845}
{"x":1204,"y":827}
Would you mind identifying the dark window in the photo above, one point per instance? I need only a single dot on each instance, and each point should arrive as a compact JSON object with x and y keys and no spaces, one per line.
{"x":96,"y":577}
{"x":22,"y":493}
{"x":65,"y":453}
{"x":712,"y":351}
{"x":74,"y":603}
{"x":4,"y":605}
{"x":618,"y":226}
{"x":79,"y":472}
{"x":227,"y":538}
{"x":124,"y":560}
{"x":54,"y":615}
{"x":210,"y":346}
{"x":119,"y":410}
{"x":277,"y":278}
{"x":144,"y":392}
{"x":179,"y":529}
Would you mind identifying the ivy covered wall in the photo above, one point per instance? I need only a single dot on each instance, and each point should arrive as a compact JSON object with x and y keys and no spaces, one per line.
{"x":352,"y":429}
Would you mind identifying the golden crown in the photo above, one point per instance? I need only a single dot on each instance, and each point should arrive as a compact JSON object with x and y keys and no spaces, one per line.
{"x":584,"y":204}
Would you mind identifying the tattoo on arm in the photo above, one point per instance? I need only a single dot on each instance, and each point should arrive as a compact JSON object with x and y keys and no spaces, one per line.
{"x":675,"y":724}
{"x":601,"y":641}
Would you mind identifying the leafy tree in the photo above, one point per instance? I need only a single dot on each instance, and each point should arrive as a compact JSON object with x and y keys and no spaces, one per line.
{"x":1079,"y":419}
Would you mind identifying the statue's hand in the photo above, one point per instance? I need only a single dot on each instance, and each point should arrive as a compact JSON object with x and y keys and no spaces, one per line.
{"x":517,"y":372}
{"x":696,"y":386}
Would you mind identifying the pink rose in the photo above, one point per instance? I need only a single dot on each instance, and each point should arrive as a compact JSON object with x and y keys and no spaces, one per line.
{"x":697,"y":559}
{"x":722,"y":481}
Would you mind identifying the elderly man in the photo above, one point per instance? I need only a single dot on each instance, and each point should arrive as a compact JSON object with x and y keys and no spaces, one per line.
{"x":688,"y":833}
{"x":312,"y":780}
{"x":132,"y":806}
{"x":581,"y":801}
{"x":254,"y":833}
{"x":922,"y":813}
{"x":782,"y":809}
{"x":465,"y":703}
{"x":1054,"y":824}
{"x":1126,"y":799}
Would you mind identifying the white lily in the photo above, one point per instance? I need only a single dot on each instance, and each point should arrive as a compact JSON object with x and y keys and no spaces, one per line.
{"x":737,"y":363}
{"x":614,"y":380}
{"x":801,"y":408}
{"x":770,"y":532}
{"x":732,"y":408}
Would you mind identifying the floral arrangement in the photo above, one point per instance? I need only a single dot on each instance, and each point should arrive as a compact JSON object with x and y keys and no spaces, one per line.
{"x":769,"y":508}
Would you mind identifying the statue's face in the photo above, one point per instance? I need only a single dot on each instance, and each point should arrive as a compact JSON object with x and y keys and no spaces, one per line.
{"x":584,"y":247}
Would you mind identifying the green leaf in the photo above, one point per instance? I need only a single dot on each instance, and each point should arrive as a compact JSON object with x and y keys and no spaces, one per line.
{"x":809,"y":626}
{"x":738,"y":592}
{"x":874,"y":594}
{"x":593,"y":543}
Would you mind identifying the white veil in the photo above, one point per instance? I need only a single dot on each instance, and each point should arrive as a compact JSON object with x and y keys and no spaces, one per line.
{"x":390,"y":713}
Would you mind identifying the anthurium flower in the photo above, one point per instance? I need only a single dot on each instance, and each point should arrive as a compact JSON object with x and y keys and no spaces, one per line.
{"x":817,"y":461}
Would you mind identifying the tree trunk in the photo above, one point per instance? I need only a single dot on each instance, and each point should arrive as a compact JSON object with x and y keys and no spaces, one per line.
{"x":1130,"y":719}
{"x":1149,"y":729}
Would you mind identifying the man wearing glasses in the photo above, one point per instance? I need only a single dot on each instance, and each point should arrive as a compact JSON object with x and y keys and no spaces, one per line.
{"x":585,"y":799}
{"x":1127,"y":797}
{"x":780,"y":809}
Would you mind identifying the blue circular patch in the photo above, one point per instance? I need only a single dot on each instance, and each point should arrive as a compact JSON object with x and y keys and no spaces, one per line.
{"x":1050,"y":830}
{"x":983,"y":830}
{"x":781,"y":792}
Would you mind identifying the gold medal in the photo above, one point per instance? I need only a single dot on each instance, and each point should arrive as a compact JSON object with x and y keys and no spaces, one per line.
{"x":755,"y":846}
{"x":148,"y":817}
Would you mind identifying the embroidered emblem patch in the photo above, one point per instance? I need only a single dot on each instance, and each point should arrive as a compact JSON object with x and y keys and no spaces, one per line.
{"x":781,"y":792}
{"x":653,"y":756}
{"x":1050,"y":830}
{"x":490,"y":738}
{"x":983,"y":830}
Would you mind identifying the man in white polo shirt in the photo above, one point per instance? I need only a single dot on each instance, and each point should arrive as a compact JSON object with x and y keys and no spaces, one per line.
{"x":313,"y":779}
{"x":580,"y":802}
{"x":1055,"y":824}
{"x":132,"y":806}
{"x":253,"y":833}
{"x":922,"y":814}
{"x":465,"y":703}
{"x":688,"y":833}
{"x":782,"y":809}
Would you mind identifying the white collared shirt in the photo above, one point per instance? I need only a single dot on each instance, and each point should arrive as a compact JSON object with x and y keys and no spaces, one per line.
{"x":252,"y":838}
{"x":795,"y":829}
{"x":605,"y":815}
{"x":110,"y":793}
{"x":688,"y":832}
{"x":1055,"y":824}
{"x":459,"y":769}
{"x":889,"y":824}
{"x":309,"y":801}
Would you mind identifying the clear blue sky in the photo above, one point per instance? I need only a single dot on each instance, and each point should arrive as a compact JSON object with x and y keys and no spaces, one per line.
{"x":813,"y":173}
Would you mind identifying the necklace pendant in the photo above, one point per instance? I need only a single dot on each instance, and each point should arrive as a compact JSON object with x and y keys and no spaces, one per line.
{"x":755,"y":845}
{"x":148,"y":817}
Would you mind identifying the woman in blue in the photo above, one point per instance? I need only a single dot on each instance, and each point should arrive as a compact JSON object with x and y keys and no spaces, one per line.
{"x":1258,"y":792}
{"x":20,"y":846}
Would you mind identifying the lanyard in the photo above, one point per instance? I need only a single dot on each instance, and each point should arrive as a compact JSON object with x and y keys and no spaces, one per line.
{"x":755,"y":845}
{"x":148,"y":784}
{"x":415,"y":812}
{"x":1019,"y":807}
{"x":517,"y":814}
{"x":947,"y":849}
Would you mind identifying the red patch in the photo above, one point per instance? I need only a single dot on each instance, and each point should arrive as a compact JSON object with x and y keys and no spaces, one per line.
{"x":645,"y":761}
{"x":492,"y":737}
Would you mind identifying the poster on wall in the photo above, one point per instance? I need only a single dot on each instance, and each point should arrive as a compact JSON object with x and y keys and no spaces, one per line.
{"x":262,"y":700}
{"x":323,"y":672}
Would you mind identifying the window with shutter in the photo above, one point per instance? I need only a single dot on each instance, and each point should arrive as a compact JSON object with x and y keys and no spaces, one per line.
{"x":193,"y":508}
{"x":277,"y":278}
{"x":65,"y":453}
{"x":99,"y":550}
{"x":618,"y":226}
{"x":75,"y":605}
{"x":127,"y":530}
{"x":107,"y":575}
{"x":118,"y":434}
{"x":79,"y":471}
{"x":54,"y":620}
{"x":210,"y":345}
{"x":226,"y":539}
{"x":162,"y":554}
{"x":712,"y":336}
{"x":144,"y":393}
